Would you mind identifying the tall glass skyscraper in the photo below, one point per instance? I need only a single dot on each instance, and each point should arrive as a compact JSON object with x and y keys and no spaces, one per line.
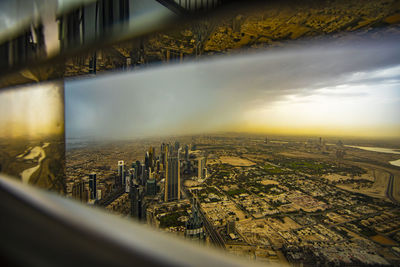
{"x":121,"y":172}
{"x":92,"y":186}
{"x":173,"y":178}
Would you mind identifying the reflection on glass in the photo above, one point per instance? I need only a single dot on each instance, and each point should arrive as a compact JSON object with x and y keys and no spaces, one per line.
{"x":32,"y":134}
{"x":260,"y":154}
{"x":59,"y":29}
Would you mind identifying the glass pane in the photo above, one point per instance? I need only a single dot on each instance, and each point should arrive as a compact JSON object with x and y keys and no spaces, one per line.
{"x":271,"y":155}
{"x":32,"y":134}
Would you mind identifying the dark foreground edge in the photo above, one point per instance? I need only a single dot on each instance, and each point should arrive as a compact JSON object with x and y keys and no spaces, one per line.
{"x":40,"y":228}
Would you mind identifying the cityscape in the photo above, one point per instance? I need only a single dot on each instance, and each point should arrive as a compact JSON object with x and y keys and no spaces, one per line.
{"x":284,"y":156}
{"x":221,"y":133}
{"x":275,"y":199}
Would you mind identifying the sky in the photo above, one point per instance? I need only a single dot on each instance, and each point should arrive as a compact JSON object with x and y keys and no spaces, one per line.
{"x":32,"y":111}
{"x":349,"y":88}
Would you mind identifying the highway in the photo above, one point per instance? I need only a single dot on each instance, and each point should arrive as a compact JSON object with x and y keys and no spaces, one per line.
{"x":389,"y":190}
{"x":215,"y":237}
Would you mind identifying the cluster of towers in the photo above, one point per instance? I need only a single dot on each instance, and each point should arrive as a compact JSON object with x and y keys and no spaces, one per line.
{"x":90,"y":194}
{"x":142,"y":179}
{"x":138,"y":181}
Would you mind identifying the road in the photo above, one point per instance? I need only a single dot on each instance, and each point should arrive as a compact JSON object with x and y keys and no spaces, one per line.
{"x":215,"y":237}
{"x":390,"y":188}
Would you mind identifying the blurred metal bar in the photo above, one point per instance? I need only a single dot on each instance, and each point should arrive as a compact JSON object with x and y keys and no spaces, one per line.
{"x":172,"y":5}
{"x":54,"y":33}
{"x":39,"y":228}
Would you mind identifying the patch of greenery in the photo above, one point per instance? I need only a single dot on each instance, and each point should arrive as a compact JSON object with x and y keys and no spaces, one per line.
{"x":171,"y":219}
{"x":307,"y":165}
{"x":264,"y":188}
{"x":235,"y":192}
{"x":273,"y":170}
{"x":213,"y":190}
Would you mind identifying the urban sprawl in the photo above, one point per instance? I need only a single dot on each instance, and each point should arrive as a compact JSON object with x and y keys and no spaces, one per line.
{"x":296,"y":201}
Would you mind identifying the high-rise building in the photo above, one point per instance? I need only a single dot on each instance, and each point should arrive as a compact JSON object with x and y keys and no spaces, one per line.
{"x":143,"y":174}
{"x":186,"y":152}
{"x":157,"y":165}
{"x":162,"y":154}
{"x":121,"y":165}
{"x":165,"y":159}
{"x":177,"y":146}
{"x":201,"y":165}
{"x":92,"y":186}
{"x":151,"y":158}
{"x":145,"y":177}
{"x":194,"y":226}
{"x":78,"y":190}
{"x":151,"y":187}
{"x":117,"y":181}
{"x":138,"y":170}
{"x":129,"y":180}
{"x":173,"y":178}
{"x":134,"y":197}
{"x":141,"y":204}
{"x":147,"y":161}
{"x":121,"y":172}
{"x":138,"y":205}
{"x":85,"y":197}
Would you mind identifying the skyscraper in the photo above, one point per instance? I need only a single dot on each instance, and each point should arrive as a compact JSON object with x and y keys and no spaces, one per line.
{"x":165,"y":159}
{"x":134,"y":197}
{"x":151,"y":158}
{"x":121,"y":172}
{"x":92,"y":186}
{"x":173,"y":178}
{"x":177,"y":146}
{"x":194,"y":226}
{"x":145,"y":177}
{"x":151,"y":187}
{"x":138,"y":171}
{"x":129,"y":179}
{"x":201,"y":164}
{"x":147,"y":161}
{"x":78,"y":190}
{"x":186,"y":152}
{"x":162,"y":154}
{"x":141,"y":204}
{"x":142,"y":175}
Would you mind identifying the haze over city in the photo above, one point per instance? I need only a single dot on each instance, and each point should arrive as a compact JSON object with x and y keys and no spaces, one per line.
{"x":32,"y":111}
{"x":323,"y":88}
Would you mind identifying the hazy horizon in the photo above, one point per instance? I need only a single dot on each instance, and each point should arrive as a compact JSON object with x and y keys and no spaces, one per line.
{"x":32,"y":111}
{"x":329,"y":89}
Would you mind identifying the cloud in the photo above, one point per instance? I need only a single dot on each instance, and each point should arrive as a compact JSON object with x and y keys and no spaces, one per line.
{"x":216,"y":93}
